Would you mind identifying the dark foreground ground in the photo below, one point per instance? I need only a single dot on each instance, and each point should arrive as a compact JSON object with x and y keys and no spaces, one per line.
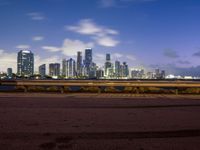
{"x":99,"y":122}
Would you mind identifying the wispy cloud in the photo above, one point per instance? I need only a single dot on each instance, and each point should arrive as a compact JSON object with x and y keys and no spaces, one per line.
{"x":100,"y":34}
{"x":38,"y":38}
{"x":114,"y":3}
{"x":170,"y":53}
{"x":184,"y":62}
{"x":69,"y":47}
{"x":22,"y":46}
{"x":7,"y":60}
{"x":107,"y":3}
{"x":36,"y":16}
{"x":197,"y":54}
{"x":51,"y":48}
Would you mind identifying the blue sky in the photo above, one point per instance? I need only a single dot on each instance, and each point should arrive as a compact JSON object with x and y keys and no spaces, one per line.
{"x":145,"y":33}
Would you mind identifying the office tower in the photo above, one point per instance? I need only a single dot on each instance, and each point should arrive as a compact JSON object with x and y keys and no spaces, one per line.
{"x":79,"y":64}
{"x":9,"y":73}
{"x":117,"y":69}
{"x":88,"y":60}
{"x":110,"y":72}
{"x":157,"y":73}
{"x":54,"y":69}
{"x":162,"y":75}
{"x":125,"y":70}
{"x":108,"y":64}
{"x":100,"y":74}
{"x":69,"y":70}
{"x":137,"y":73}
{"x":92,"y":73}
{"x":108,"y":57}
{"x":42,"y":70}
{"x":150,"y":75}
{"x":25,"y":63}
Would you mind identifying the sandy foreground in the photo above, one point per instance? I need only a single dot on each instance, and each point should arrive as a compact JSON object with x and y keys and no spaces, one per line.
{"x":99,"y":122}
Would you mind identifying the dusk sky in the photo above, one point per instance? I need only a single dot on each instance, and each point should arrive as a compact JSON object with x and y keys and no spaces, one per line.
{"x":145,"y":33}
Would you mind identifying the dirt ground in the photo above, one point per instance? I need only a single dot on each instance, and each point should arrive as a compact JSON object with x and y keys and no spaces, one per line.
{"x":36,"y":121}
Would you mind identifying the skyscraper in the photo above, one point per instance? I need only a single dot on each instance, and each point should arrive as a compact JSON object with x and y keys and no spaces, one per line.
{"x":108,"y":64}
{"x":79,"y":64}
{"x":108,"y":57}
{"x":162,"y":75}
{"x":25,"y":63}
{"x":54,"y":69}
{"x":100,"y":74}
{"x":117,"y":69}
{"x":125,"y":70}
{"x":42,"y":70}
{"x":88,"y":60}
{"x":69,"y":68}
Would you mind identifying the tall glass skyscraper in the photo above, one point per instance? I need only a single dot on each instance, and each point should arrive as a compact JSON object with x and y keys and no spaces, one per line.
{"x":117,"y":69}
{"x":88,"y":59}
{"x":108,"y":64}
{"x":54,"y":69}
{"x":79,"y":64}
{"x":42,"y":70}
{"x":25,"y":63}
{"x":69,"y":70}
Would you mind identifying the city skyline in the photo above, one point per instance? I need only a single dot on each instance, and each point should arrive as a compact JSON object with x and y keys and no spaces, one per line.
{"x":149,"y":34}
{"x":81,"y":69}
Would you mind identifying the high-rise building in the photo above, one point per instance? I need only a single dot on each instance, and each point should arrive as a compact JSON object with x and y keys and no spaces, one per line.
{"x":42,"y":70}
{"x":157,"y":73}
{"x":69,"y":70}
{"x":108,"y":65}
{"x":9,"y":73}
{"x":125,"y":70}
{"x":25,"y":63}
{"x":93,"y":69}
{"x":150,"y":75}
{"x":54,"y":69}
{"x":108,"y":57}
{"x":137,"y":73}
{"x":79,"y":64}
{"x":88,"y":60}
{"x":100,"y":74}
{"x":162,"y":75}
{"x":117,"y":69}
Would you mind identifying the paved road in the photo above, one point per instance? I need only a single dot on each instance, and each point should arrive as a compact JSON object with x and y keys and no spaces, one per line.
{"x":96,"y":122}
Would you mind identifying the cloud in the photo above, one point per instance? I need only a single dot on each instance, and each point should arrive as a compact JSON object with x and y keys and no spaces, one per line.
{"x":170,"y":53}
{"x":197,"y":54}
{"x":38,"y":38}
{"x":101,"y":35}
{"x":23,"y":46}
{"x":36,"y":16}
{"x":184,"y":62}
{"x":69,"y":47}
{"x":107,"y":3}
{"x":114,"y":3}
{"x":130,"y":57}
{"x":51,"y":48}
{"x":106,"y":41}
{"x":7,"y":60}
